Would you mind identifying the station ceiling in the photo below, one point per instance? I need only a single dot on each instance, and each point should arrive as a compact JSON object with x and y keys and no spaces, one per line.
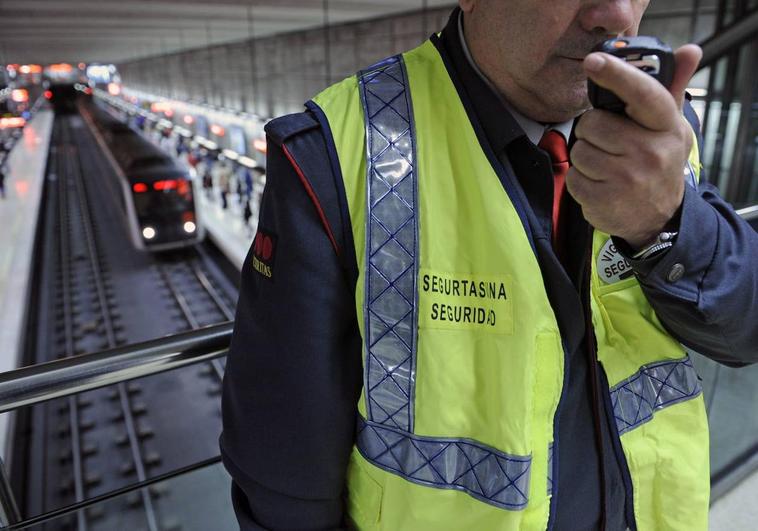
{"x":50,"y":31}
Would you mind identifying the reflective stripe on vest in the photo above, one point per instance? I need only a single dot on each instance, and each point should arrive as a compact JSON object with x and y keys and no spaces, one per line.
{"x":485,"y":473}
{"x":654,"y":387}
{"x":390,"y":317}
{"x":386,"y":438}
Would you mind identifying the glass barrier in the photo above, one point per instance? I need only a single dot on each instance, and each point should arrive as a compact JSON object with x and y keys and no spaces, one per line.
{"x":730,"y":397}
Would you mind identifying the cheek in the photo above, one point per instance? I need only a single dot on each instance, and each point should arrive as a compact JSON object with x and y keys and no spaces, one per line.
{"x":528,"y":59}
{"x":522,"y":41}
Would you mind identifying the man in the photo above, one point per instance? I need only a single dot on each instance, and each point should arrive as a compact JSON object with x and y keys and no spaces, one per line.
{"x":2,"y":181}
{"x":431,"y":334}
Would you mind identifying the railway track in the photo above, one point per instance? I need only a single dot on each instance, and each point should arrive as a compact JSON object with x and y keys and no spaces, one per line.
{"x":105,"y":294}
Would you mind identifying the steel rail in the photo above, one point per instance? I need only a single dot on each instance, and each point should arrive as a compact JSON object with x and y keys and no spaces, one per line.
{"x":227,"y":310}
{"x":64,"y":211}
{"x":181,"y":300}
{"x":50,"y":516}
{"x":94,"y":262}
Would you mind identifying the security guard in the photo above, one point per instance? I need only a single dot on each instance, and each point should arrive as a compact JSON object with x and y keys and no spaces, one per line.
{"x":448,"y":322}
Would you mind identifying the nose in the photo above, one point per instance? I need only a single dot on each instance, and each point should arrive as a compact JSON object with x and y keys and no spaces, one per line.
{"x":612,"y":17}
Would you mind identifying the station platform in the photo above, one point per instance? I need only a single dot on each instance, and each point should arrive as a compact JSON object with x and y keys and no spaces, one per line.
{"x":19,"y":212}
{"x":226,"y":227}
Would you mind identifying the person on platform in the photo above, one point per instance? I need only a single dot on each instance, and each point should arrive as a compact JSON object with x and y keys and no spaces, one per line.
{"x":223,"y":181}
{"x":247,"y":213}
{"x":2,"y":181}
{"x":471,"y":298}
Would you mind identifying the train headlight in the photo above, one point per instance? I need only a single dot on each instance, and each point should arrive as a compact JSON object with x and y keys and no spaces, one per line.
{"x":189,"y":227}
{"x":148,"y":233}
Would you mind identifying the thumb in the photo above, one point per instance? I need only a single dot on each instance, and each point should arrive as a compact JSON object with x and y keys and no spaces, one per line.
{"x":686,"y":58}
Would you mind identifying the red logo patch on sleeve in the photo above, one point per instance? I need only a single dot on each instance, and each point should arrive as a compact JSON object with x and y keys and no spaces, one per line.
{"x":264,"y":251}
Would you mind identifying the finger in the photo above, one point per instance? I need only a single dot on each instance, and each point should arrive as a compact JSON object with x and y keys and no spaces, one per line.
{"x":594,"y":163}
{"x":687,"y":59}
{"x":581,"y":187}
{"x":606,"y":130}
{"x":648,"y":102}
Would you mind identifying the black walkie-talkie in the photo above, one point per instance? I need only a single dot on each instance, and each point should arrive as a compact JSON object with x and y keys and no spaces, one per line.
{"x":649,"y":54}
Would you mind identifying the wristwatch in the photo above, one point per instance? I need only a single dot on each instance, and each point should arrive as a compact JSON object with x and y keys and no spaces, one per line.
{"x":663,"y":241}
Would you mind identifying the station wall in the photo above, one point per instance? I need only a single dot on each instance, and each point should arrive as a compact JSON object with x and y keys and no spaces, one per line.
{"x":275,"y":75}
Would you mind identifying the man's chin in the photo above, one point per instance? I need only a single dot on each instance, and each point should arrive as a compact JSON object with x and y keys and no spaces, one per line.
{"x":566,"y":108}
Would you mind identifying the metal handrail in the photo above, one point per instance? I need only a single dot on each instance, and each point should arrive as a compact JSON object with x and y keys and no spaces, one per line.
{"x":749,"y":213}
{"x":68,"y":376}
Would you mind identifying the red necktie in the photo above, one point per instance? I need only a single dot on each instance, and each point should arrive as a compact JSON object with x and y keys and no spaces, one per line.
{"x":555,"y":145}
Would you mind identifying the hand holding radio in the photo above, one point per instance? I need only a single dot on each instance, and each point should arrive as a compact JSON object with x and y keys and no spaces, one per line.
{"x":648,"y":54}
{"x":631,"y":149}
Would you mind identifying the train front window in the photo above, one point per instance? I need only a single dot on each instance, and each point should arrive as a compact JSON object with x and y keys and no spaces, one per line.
{"x":164,"y":200}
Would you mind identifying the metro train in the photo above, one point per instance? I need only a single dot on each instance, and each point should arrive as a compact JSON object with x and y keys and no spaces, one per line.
{"x":225,"y":130}
{"x":157,"y":194}
{"x":58,"y":81}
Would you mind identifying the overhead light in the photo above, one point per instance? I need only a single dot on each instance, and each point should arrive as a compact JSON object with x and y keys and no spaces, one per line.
{"x":148,"y":233}
{"x":20,"y":95}
{"x":260,"y":145}
{"x":12,"y":122}
{"x":60,"y":68}
{"x":189,"y":227}
{"x":207,"y":144}
{"x":247,"y":161}
{"x":230,"y":154}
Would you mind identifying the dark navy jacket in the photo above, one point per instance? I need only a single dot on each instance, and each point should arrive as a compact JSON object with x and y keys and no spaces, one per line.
{"x":294,"y":371}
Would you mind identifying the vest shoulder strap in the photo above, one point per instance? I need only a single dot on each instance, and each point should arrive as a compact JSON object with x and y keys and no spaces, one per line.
{"x":304,"y":142}
{"x":281,"y":129}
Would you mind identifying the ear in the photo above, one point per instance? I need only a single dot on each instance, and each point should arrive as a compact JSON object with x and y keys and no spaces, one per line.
{"x":467,"y":5}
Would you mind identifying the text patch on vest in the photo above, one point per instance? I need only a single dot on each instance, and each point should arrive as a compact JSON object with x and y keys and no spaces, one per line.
{"x":465,"y":301}
{"x":612,"y":267}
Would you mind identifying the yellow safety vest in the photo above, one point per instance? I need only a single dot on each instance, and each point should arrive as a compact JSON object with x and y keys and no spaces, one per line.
{"x":462,"y":356}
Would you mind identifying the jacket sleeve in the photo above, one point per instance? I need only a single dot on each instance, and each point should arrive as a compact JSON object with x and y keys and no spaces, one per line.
{"x":293,"y":372}
{"x":712,"y":307}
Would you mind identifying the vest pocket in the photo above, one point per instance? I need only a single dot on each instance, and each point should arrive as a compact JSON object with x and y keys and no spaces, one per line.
{"x":364,"y":495}
{"x":606,"y":289}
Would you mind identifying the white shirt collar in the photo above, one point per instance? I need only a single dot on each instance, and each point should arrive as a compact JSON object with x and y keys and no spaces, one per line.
{"x":533,"y":129}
